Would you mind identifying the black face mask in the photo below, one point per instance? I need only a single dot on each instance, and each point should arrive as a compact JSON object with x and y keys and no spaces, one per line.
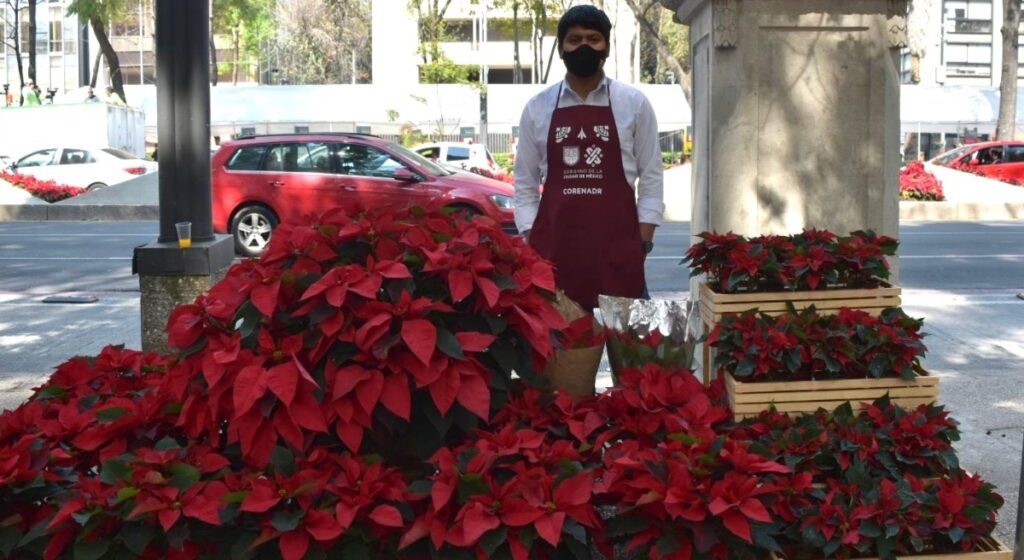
{"x":584,"y":62}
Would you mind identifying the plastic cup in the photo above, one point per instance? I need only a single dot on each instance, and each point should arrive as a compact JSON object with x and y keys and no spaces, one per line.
{"x":184,"y":234}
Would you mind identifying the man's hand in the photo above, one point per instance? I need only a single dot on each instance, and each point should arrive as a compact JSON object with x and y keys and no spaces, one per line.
{"x":647,"y":232}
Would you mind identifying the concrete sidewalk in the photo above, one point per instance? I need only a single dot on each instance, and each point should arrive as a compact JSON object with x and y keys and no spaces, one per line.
{"x":968,"y":197}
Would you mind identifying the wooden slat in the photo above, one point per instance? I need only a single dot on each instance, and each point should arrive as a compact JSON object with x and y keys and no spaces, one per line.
{"x":842,"y":395}
{"x":811,"y":406}
{"x":990,"y":549}
{"x":885,"y":290}
{"x":863,"y":304}
{"x":923,"y":379}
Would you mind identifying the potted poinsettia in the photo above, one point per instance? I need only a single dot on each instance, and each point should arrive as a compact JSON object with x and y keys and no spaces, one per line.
{"x":852,"y":355}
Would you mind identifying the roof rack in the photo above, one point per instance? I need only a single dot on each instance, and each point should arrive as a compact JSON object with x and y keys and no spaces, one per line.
{"x":339,"y":134}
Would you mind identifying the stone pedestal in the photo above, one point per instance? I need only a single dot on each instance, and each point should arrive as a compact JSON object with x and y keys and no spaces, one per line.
{"x":796,"y":114}
{"x":170,"y":276}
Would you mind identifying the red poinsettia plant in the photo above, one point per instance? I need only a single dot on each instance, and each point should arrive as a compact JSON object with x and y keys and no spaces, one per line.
{"x":49,"y":191}
{"x":811,"y":260}
{"x":804,"y":345}
{"x":917,"y":183}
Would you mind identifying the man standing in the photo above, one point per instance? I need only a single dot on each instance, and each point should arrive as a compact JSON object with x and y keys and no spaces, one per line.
{"x":593,"y":143}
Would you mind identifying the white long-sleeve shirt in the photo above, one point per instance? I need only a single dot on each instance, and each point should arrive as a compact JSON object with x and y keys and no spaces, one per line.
{"x":638,"y":139}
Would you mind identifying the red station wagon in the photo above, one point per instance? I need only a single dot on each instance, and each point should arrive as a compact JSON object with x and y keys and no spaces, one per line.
{"x":1003,"y":161}
{"x":261,"y":181}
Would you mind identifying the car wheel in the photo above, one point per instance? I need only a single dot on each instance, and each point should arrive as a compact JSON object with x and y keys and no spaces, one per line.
{"x":96,"y":187}
{"x":251,"y":229}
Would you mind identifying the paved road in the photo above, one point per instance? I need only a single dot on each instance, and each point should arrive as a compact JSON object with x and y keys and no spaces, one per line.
{"x":962,"y":277}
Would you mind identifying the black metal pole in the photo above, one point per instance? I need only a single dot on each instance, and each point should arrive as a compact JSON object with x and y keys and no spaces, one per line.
{"x":83,"y":55}
{"x":183,"y":116}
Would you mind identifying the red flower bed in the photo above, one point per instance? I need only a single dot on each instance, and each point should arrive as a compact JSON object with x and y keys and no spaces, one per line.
{"x":917,"y":183}
{"x":352,"y":395}
{"x":500,"y":176}
{"x":46,"y":190}
{"x":812,"y":260}
{"x":805,"y":345}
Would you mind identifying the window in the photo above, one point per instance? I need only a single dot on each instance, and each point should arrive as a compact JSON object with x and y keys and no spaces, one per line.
{"x":56,"y":33}
{"x":311,"y":157}
{"x":968,"y":16}
{"x":969,"y":59}
{"x":430,"y":153}
{"x":247,"y":158}
{"x":458,"y":153}
{"x":3,"y":36}
{"x":76,"y":157}
{"x":37,"y":159}
{"x":248,"y":131}
{"x":23,"y":37}
{"x":366,"y":161}
{"x":302,"y":130}
{"x":1014,"y":154}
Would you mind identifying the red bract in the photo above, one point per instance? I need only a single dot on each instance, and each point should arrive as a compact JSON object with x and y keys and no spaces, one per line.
{"x":811,"y":260}
{"x":917,"y":183}
{"x":46,"y":190}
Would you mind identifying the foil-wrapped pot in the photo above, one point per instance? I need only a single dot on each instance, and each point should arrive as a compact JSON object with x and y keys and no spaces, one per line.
{"x":641,"y":331}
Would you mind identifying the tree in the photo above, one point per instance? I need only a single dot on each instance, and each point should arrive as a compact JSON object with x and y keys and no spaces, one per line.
{"x":322,"y":41}
{"x":671,"y":41}
{"x":12,"y":38}
{"x":247,"y":22}
{"x":1006,"y":126}
{"x":435,"y":66}
{"x":100,"y":14}
{"x":32,"y":39}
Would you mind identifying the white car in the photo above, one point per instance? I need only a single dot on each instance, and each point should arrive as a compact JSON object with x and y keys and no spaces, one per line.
{"x":87,"y":168}
{"x":465,"y":156}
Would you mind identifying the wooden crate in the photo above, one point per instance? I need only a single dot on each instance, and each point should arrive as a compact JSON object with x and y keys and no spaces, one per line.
{"x":989,"y":549}
{"x":748,"y":398}
{"x":714,"y":304}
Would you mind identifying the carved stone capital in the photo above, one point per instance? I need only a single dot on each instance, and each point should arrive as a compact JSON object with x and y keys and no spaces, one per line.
{"x":896,"y":24}
{"x":724,"y":27}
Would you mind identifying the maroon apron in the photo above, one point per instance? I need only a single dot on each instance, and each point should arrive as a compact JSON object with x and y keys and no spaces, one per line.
{"x":587,"y":221}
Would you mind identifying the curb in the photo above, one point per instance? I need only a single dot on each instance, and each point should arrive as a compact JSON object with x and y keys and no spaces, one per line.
{"x":83,"y":212}
{"x":913,"y":210}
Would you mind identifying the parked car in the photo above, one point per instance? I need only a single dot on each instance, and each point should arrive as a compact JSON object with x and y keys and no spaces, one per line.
{"x":87,"y":168}
{"x":260,"y":181}
{"x":465,"y":156}
{"x":5,"y":162}
{"x":1003,"y":161}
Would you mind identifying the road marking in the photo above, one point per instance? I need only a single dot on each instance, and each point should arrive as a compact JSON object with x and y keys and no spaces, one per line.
{"x":111,"y":235}
{"x":66,"y":258}
{"x":997,"y":256}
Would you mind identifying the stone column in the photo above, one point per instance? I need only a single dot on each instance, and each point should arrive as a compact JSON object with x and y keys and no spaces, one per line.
{"x":796,"y":114}
{"x":169,"y":275}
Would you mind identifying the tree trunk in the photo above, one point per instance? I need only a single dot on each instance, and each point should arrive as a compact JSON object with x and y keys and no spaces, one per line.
{"x":681,"y":72}
{"x":17,"y":53}
{"x":32,"y":40}
{"x":236,"y":38}
{"x":1007,"y":124}
{"x":96,"y":70}
{"x":213,"y":50}
{"x":113,"y":65}
{"x":517,"y":66}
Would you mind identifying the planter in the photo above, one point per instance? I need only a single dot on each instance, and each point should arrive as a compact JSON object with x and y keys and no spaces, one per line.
{"x":989,"y":549}
{"x":715,"y":304}
{"x":750,"y":398}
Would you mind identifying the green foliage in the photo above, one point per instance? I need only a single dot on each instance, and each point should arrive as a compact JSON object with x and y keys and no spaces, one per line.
{"x":107,"y":11}
{"x":504,"y":161}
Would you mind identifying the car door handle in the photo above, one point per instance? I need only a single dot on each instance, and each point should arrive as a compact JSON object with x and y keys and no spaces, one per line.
{"x":349,"y":188}
{"x":275,"y":183}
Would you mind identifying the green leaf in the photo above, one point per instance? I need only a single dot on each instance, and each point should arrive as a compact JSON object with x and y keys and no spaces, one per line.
{"x":285,"y":521}
{"x":355,"y":550}
{"x":421,"y":487}
{"x":91,"y":550}
{"x":108,"y":415}
{"x":166,"y":443}
{"x":283,"y":460}
{"x":448,"y":344}
{"x":492,"y":540}
{"x":137,"y":536}
{"x":622,"y":526}
{"x":125,"y":494}
{"x":236,"y":497}
{"x":183,"y":476}
{"x":113,"y":472}
{"x":667,"y":545}
{"x":471,"y":485}
{"x":52,"y":392}
{"x":575,"y":530}
{"x":9,"y":537}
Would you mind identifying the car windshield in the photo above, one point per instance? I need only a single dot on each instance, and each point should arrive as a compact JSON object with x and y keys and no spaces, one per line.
{"x":118,"y":153}
{"x":419,"y":160}
{"x":951,"y":155}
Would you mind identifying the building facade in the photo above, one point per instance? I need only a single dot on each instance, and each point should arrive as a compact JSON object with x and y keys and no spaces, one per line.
{"x":955,"y":42}
{"x":481,"y":37}
{"x":57,"y":41}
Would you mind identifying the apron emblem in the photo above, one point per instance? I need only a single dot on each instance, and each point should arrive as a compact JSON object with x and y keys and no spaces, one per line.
{"x":593,"y":156}
{"x":582,"y":135}
{"x":570,"y":155}
{"x":561,"y":133}
{"x":602,"y":132}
